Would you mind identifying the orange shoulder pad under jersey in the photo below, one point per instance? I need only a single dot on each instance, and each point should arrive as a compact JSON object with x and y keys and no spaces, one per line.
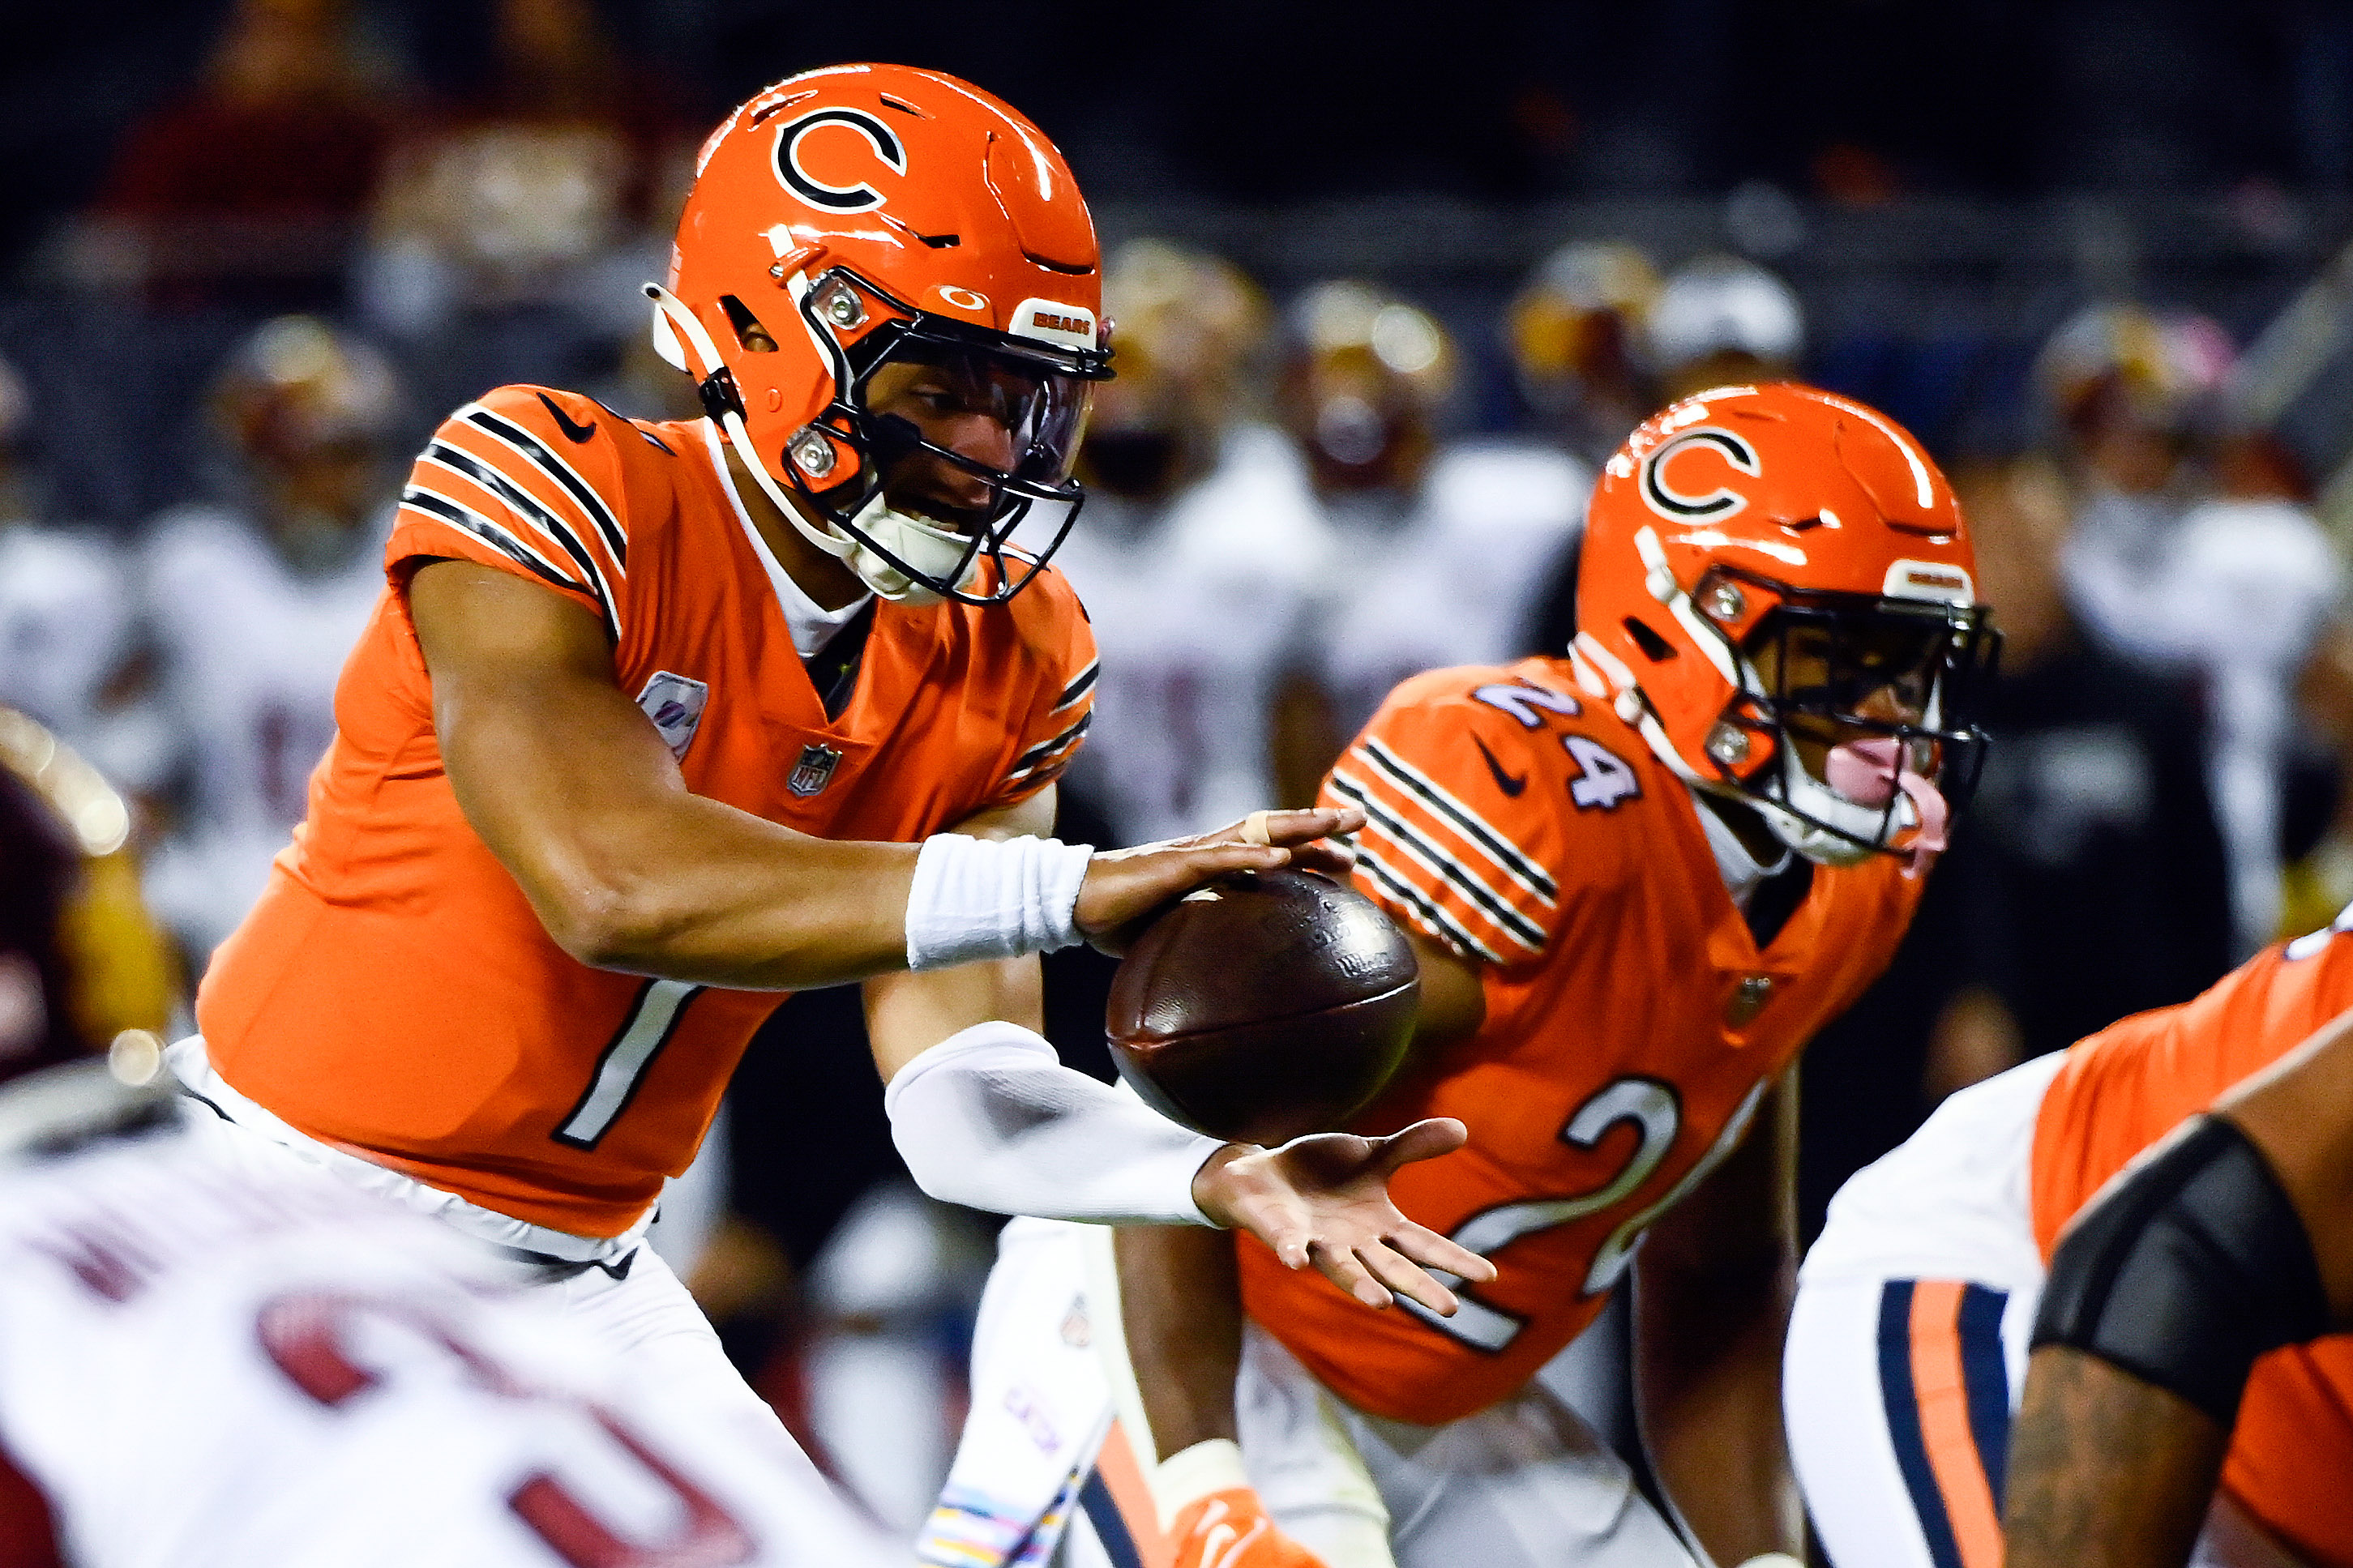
{"x":1632,"y":1025}
{"x":394,"y":992}
{"x":2124,"y":1088}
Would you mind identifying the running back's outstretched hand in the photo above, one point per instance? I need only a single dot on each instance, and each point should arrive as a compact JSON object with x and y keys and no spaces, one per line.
{"x":1324,"y":1200}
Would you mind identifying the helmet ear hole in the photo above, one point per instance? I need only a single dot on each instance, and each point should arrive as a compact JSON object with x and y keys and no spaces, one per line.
{"x":1656,"y":647}
{"x":749,"y":332}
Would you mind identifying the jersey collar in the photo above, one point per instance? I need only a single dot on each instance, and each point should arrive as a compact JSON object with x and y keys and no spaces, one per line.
{"x":812,"y":626}
{"x":1741,"y":872}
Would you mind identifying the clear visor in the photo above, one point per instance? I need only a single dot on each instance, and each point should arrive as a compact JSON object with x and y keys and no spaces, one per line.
{"x":1015,"y":417}
{"x":1842,"y":667}
{"x":966,"y":430}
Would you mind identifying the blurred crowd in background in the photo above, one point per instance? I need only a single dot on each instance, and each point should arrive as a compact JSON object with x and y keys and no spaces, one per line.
{"x":1351,"y":438}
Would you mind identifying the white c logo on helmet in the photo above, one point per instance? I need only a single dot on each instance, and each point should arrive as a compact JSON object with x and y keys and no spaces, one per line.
{"x":961,"y":298}
{"x":857,"y":198}
{"x":1678,"y":507}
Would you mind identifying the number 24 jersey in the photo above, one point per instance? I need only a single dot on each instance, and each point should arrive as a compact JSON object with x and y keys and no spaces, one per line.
{"x":393,"y":993}
{"x":1631,"y":1028}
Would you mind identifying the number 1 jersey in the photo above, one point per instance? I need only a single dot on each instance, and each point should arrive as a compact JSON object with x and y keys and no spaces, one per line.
{"x":393,"y":995}
{"x":1632,"y":1025}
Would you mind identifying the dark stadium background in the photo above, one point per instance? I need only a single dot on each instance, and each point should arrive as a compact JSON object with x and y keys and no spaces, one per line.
{"x":1941,"y":184}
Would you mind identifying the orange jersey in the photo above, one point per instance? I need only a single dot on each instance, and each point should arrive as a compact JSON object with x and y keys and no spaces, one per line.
{"x":1631,"y":1024}
{"x":2130,"y":1084}
{"x":393,"y":993}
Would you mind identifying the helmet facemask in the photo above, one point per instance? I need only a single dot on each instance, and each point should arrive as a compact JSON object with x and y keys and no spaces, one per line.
{"x":851,"y":469}
{"x":1852,"y":731}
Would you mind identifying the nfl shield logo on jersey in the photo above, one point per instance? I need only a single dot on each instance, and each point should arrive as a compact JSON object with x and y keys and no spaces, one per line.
{"x":814,"y":771}
{"x":675,"y":705}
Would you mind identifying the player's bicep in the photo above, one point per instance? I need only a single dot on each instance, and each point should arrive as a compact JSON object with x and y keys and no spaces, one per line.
{"x":908,"y":1014}
{"x":1742,"y":1219}
{"x":2295,"y":1113}
{"x":541,"y":743}
{"x":1030,"y":817}
{"x":1454,"y":994}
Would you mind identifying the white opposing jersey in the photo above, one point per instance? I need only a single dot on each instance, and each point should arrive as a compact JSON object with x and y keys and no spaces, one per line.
{"x":199,"y":1367}
{"x":2239,"y":591}
{"x":250,"y":651}
{"x":65,"y":626}
{"x":1196,"y":606}
{"x":1454,"y":581}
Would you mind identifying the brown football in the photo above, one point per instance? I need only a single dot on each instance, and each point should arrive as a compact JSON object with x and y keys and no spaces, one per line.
{"x":1265,"y":1005}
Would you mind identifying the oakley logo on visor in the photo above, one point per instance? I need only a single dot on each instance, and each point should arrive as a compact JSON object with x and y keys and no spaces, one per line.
{"x":1670,"y":502}
{"x":855,"y":198}
{"x":1050,"y":321}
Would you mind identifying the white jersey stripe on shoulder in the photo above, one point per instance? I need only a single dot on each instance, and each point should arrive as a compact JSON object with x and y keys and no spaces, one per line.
{"x":1508,"y":857}
{"x":467,"y":466}
{"x":537,"y":453}
{"x":1433,"y":858}
{"x":1433,"y":917}
{"x":1042,"y":748}
{"x":442,"y":509}
{"x":1081,"y":684}
{"x":1048,"y":753}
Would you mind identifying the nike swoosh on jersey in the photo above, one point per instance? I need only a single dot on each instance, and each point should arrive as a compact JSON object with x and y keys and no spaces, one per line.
{"x":573,"y":433}
{"x":1504,"y":780}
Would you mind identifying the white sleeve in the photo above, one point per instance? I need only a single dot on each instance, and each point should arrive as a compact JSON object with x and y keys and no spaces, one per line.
{"x":991,"y":1119}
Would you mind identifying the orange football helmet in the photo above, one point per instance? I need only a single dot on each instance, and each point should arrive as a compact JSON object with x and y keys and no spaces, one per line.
{"x":1756,"y":556}
{"x":860,"y":215}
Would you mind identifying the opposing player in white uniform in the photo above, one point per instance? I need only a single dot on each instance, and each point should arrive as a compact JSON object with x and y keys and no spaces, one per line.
{"x":1596,"y":332}
{"x":253,"y":606}
{"x":214,"y":1353}
{"x":1577,"y":331}
{"x":1718,"y":319}
{"x":2243,"y":593}
{"x":199,"y":1368}
{"x":1439,"y":550}
{"x":64,"y":617}
{"x":1200,"y":556}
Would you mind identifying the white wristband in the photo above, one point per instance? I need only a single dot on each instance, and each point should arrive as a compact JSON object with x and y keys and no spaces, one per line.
{"x":1185,"y":1477}
{"x":991,"y":1119}
{"x":976,"y":898}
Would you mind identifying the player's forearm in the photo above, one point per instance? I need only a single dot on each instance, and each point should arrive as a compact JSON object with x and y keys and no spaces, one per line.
{"x":990,"y":1119}
{"x":627,"y":868}
{"x":1180,"y":1299}
{"x":1708,"y":1386}
{"x":1714,"y":1283}
{"x":699,"y":892}
{"x":2105,"y":1470}
{"x":642,"y":875}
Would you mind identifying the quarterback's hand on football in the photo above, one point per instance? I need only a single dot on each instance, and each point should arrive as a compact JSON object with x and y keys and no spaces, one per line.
{"x":1124,"y":887}
{"x":1230,"y":1530}
{"x":1325,"y":1199}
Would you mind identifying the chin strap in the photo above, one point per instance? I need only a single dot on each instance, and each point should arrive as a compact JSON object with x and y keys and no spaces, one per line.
{"x":680,"y":339}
